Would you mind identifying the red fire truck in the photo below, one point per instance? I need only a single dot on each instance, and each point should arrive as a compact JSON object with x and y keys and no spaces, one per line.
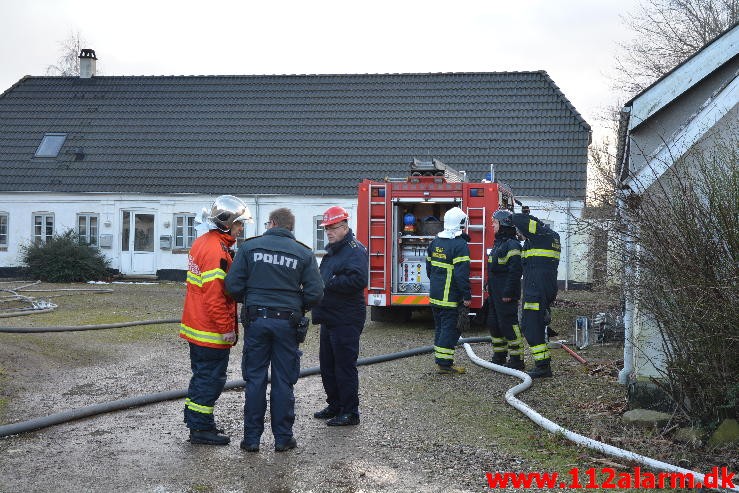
{"x":398,"y":218}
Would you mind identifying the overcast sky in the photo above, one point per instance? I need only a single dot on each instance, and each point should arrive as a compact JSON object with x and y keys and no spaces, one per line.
{"x":573,"y":40}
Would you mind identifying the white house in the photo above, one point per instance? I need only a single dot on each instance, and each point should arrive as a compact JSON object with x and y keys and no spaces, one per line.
{"x":687,"y":109}
{"x":128,"y":162}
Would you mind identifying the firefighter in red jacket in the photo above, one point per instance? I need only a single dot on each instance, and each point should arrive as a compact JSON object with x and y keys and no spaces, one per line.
{"x":209,"y":318}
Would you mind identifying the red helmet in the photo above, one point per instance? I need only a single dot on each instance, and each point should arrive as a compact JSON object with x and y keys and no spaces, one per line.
{"x":334,"y":215}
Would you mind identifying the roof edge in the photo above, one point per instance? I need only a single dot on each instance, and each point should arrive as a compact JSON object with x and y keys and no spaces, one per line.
{"x":19,"y":82}
{"x":728,"y":30}
{"x":207,"y":76}
{"x":567,"y":102}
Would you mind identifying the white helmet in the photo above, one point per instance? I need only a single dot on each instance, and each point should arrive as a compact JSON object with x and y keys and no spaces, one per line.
{"x":226,"y":210}
{"x":454,"y":222}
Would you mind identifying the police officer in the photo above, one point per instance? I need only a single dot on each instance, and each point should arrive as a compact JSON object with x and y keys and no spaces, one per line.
{"x":504,"y":291}
{"x":209,"y":320}
{"x":341,"y":313}
{"x":540,"y":258}
{"x":448,"y":269}
{"x":278,"y":280}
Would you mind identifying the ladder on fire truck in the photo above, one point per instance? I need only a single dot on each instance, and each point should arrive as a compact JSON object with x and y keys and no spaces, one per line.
{"x":377,"y":236}
{"x":476,"y":222}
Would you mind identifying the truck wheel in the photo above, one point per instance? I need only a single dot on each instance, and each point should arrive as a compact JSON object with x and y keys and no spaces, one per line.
{"x":390,"y":314}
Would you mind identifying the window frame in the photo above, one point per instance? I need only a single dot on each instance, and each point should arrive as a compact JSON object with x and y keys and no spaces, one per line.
{"x":6,"y":234}
{"x":187,"y":239}
{"x":319,"y":235}
{"x":47,"y":153}
{"x":86,"y":238}
{"x":42,"y":238}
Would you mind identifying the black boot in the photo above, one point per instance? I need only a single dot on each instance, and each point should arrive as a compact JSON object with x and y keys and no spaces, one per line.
{"x":208,"y":437}
{"x":345,"y":419}
{"x":326,"y":413}
{"x":543,"y":369}
{"x":498,"y":358}
{"x":516,"y":363}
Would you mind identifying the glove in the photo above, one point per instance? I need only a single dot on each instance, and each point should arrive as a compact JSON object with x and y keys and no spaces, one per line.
{"x":463,"y":318}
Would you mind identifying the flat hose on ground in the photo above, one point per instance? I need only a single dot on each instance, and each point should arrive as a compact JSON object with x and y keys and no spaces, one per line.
{"x":77,"y":328}
{"x":552,"y":427}
{"x":143,"y":400}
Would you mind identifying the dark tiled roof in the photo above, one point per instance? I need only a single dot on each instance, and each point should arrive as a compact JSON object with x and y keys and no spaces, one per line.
{"x":289,"y":134}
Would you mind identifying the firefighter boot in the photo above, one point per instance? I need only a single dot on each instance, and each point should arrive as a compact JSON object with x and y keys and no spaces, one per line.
{"x":543,"y":369}
{"x":345,"y":419}
{"x":208,"y":437}
{"x":498,"y":358}
{"x":516,"y":363}
{"x":450,"y":370}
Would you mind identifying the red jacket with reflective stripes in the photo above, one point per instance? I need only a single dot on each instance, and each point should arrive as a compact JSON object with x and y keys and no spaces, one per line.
{"x":209,"y":312}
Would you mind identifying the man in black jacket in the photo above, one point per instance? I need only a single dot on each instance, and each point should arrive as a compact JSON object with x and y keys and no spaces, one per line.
{"x":277,"y":279}
{"x":341,"y":313}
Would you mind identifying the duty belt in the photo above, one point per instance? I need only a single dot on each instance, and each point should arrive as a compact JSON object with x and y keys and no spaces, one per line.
{"x":266,"y":312}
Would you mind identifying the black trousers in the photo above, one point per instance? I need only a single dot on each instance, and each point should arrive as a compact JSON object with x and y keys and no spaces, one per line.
{"x":206,"y":385}
{"x":539,"y":291}
{"x":338,"y":359}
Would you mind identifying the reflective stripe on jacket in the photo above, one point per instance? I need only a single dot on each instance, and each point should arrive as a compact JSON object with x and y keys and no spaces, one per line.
{"x":209,"y":312}
{"x":448,"y":269}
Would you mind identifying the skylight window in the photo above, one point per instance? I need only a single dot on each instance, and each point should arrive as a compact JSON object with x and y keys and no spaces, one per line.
{"x":50,"y":145}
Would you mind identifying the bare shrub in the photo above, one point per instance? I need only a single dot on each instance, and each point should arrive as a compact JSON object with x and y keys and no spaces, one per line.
{"x":686,"y":271}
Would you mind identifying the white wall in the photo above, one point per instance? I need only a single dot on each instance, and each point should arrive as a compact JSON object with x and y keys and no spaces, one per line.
{"x":560,"y":215}
{"x":20,"y":208}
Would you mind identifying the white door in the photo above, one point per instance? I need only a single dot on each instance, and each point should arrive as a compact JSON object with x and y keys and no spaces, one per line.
{"x":137,"y":242}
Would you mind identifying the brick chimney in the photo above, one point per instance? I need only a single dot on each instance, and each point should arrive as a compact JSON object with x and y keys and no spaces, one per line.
{"x":87,"y":63}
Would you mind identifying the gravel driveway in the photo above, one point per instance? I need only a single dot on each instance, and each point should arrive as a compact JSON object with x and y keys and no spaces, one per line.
{"x":419,"y":432}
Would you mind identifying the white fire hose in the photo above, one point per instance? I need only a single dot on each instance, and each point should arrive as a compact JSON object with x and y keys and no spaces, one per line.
{"x":604,"y":448}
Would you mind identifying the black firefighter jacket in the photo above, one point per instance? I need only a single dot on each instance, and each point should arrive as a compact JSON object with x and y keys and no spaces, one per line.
{"x":448,"y":269}
{"x":504,"y":267}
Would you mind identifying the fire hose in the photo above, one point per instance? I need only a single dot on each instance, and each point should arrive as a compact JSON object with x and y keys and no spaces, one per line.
{"x":142,"y":400}
{"x":510,"y":396}
{"x":552,"y":427}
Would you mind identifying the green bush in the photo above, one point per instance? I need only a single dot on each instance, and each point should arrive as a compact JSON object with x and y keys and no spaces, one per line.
{"x":64,"y":259}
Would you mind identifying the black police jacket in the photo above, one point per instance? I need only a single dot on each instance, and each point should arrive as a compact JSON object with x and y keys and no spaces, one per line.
{"x":275,"y":271}
{"x":541,"y":249}
{"x":448,"y":269}
{"x":345,"y":271}
{"x":504,"y":267}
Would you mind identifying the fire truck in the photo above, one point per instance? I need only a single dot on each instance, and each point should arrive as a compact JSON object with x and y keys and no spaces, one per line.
{"x":397,"y":219}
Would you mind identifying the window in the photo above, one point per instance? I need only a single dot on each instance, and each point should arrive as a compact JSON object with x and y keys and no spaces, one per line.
{"x":319,"y":235}
{"x":184,"y":230}
{"x":50,"y":145}
{"x":3,"y":230}
{"x":87,"y":229}
{"x":43,"y":227}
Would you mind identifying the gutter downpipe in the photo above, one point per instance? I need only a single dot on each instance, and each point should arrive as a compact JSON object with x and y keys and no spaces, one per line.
{"x":628,"y":241}
{"x":567,"y":247}
{"x":256,"y":213}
